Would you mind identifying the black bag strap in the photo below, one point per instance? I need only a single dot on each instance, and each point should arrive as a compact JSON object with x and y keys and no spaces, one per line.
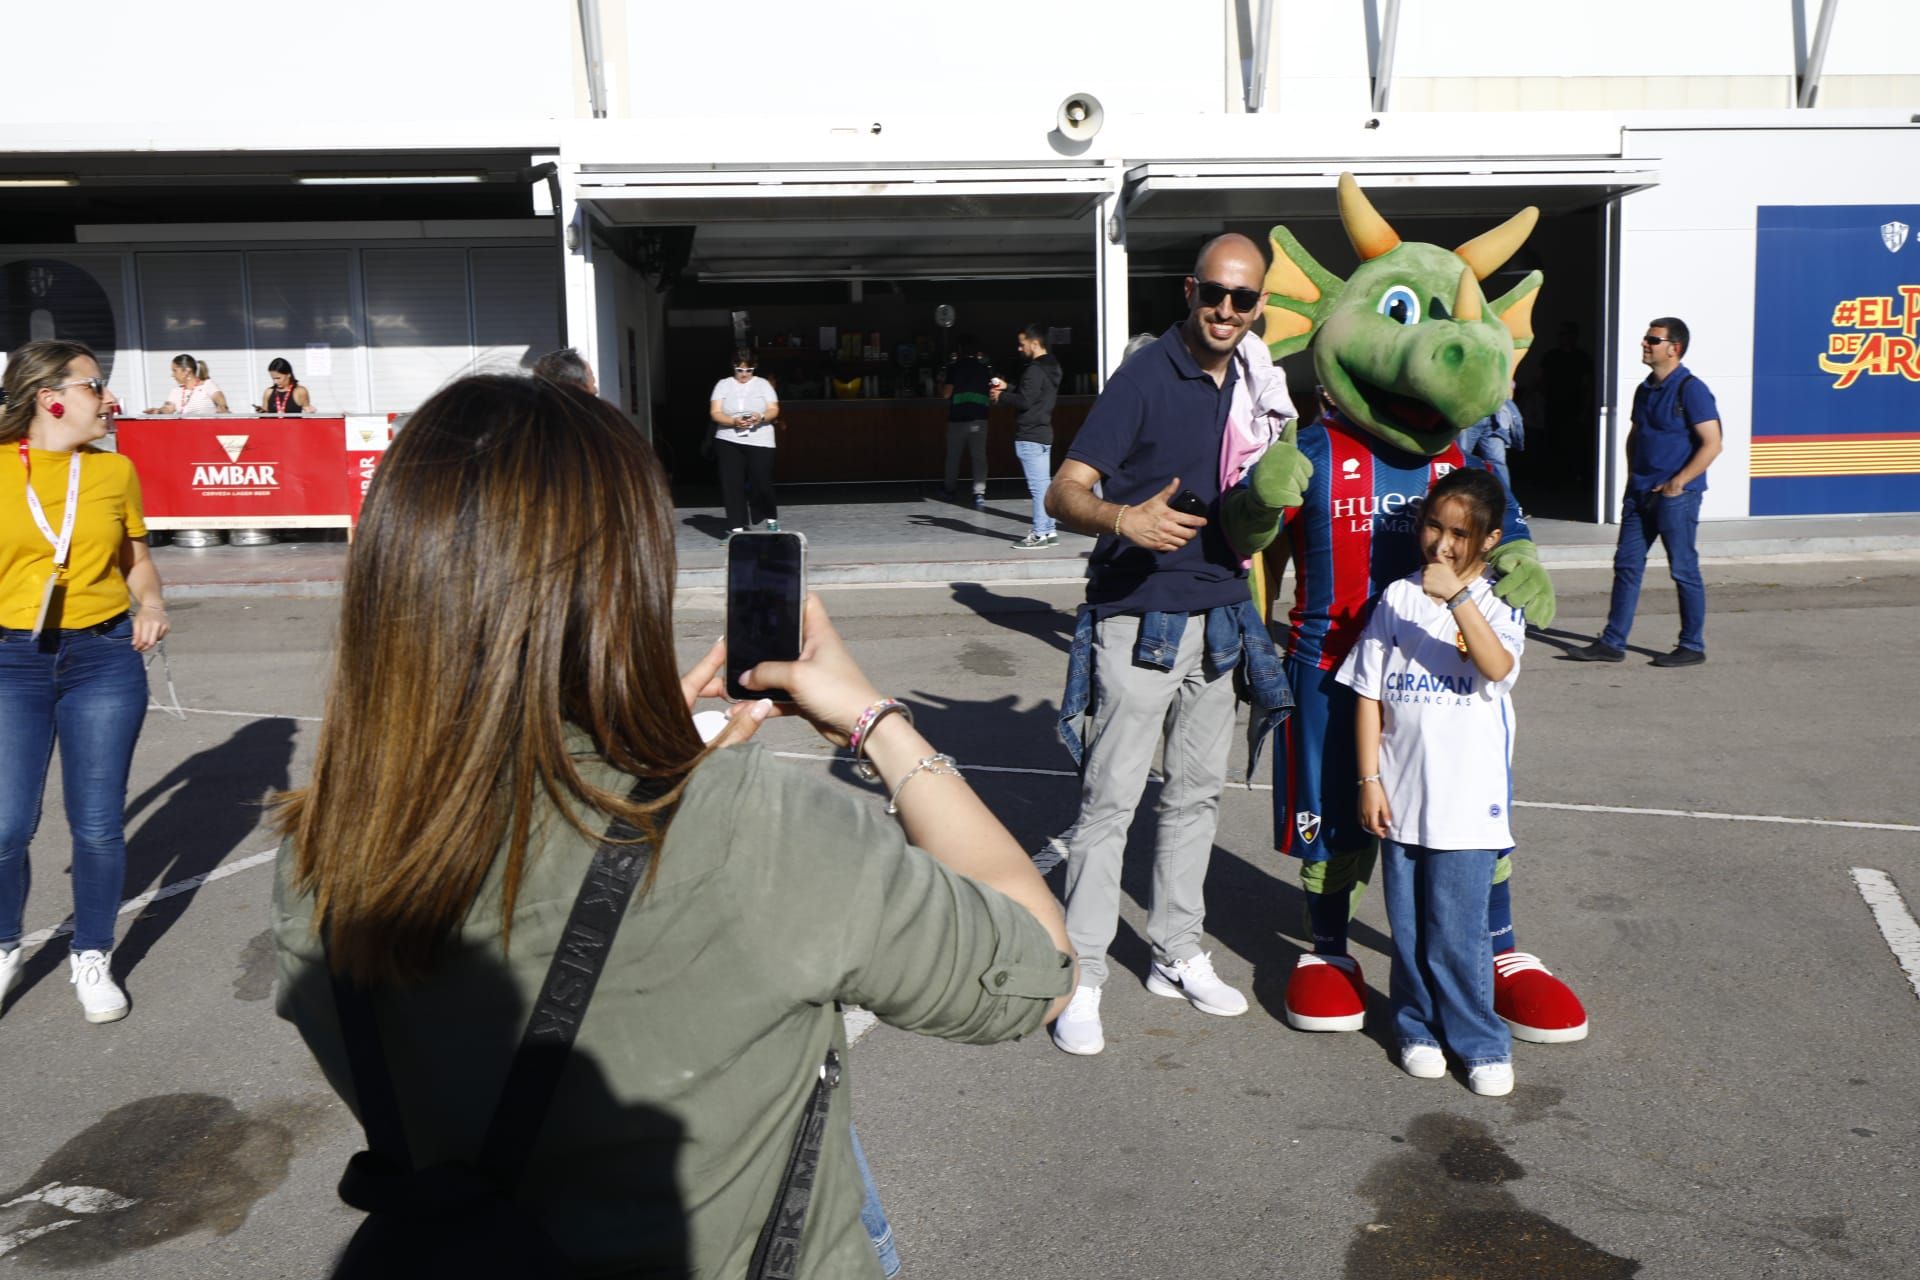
{"x":614,"y":872}
{"x":777,"y":1254}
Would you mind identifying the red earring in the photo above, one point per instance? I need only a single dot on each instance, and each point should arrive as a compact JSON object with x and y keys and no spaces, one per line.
{"x":57,"y":409}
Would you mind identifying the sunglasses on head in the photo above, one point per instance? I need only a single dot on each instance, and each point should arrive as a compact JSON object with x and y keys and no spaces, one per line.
{"x":1211,"y":295}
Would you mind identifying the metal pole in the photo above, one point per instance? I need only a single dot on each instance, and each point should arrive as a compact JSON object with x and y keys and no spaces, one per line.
{"x":1816,"y":60}
{"x":1383,"y":72}
{"x":1262,"y":50}
{"x":596,"y":70}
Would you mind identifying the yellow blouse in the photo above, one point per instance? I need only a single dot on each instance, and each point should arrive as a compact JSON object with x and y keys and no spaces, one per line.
{"x":93,"y":589}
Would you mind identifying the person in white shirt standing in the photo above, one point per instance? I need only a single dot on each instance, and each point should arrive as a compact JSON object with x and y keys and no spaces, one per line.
{"x":743,"y":409}
{"x":1434,"y":671}
{"x":195,"y":394}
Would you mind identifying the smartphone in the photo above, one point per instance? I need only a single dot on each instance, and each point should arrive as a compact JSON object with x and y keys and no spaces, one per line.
{"x":766,"y":594}
{"x":1188,"y":503}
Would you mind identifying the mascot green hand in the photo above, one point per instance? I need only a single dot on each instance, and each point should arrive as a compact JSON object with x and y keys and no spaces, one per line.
{"x":1521,"y":580}
{"x":1251,"y":514}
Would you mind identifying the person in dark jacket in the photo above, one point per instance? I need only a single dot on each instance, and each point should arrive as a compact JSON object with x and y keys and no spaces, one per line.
{"x":967,"y":386}
{"x":1033,"y":402}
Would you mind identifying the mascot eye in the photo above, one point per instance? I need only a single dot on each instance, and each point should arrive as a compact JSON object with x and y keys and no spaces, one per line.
{"x":1400,"y":305}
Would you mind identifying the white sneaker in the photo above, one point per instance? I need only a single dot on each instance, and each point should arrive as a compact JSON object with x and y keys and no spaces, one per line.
{"x":1195,"y":979}
{"x":1077,"y":1029}
{"x":101,"y":998}
{"x":1493,"y":1080}
{"x":1423,"y":1061}
{"x":11,"y":963}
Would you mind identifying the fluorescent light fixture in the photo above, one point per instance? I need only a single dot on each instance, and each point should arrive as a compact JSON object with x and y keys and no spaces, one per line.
{"x":384,"y":179}
{"x":39,"y":180}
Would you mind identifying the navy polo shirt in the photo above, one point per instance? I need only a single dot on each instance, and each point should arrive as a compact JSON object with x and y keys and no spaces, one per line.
{"x":1664,"y":413}
{"x":1160,"y":416}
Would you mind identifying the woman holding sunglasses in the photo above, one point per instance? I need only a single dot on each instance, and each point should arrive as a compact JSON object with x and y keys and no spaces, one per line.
{"x":72,"y":550}
{"x":743,"y":409}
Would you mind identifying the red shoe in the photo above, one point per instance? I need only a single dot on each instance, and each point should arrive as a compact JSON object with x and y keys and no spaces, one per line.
{"x":1327,"y":993}
{"x":1535,"y":1005}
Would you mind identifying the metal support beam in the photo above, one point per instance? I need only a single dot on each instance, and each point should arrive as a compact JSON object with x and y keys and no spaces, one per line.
{"x":1262,"y":51}
{"x":1383,"y":66}
{"x":1109,"y":285}
{"x":1817,"y":58}
{"x":596,"y":65}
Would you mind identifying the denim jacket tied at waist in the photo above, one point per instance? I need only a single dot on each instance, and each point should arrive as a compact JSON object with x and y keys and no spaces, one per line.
{"x":1237,"y":641}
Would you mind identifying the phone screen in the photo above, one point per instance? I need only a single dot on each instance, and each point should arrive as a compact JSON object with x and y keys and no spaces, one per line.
{"x":766,"y":591}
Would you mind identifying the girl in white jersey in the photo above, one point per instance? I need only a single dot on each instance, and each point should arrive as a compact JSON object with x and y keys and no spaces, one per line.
{"x":1433,"y":670}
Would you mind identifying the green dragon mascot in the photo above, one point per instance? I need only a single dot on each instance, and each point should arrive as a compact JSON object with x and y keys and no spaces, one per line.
{"x":1408,"y":353}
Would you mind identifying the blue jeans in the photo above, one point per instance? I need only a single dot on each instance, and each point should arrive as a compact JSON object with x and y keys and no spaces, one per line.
{"x":872,"y":1216}
{"x":86,"y":690}
{"x":1644,"y":516}
{"x":1442,"y":983}
{"x":1482,"y":441}
{"x":1036,"y":460}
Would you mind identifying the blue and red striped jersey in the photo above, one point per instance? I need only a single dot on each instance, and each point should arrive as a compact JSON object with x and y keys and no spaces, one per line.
{"x":1354,"y":531}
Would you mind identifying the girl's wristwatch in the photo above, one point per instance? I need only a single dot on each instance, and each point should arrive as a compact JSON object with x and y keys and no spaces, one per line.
{"x":1460,"y":597}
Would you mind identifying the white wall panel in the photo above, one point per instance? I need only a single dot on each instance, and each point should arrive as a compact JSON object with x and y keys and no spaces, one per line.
{"x":419,"y":324}
{"x":302,"y":311}
{"x":347,"y":60}
{"x":194,"y":304}
{"x":515,"y":307}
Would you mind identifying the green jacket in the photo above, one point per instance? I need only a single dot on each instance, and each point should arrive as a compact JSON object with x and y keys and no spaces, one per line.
{"x":777,"y":894}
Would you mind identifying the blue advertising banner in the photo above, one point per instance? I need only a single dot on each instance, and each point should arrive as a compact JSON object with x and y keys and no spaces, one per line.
{"x":1836,"y":360}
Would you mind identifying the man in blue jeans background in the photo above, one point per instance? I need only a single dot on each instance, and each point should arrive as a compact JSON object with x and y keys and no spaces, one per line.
{"x":1032,"y":402}
{"x":1674,"y":437}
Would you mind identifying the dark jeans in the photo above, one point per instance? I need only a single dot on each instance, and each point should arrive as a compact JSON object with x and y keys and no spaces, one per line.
{"x":87,"y":691}
{"x":1643,"y":517}
{"x":746,"y":482}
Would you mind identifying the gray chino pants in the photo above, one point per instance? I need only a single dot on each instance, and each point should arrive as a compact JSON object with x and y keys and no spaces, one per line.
{"x":1132,"y":705}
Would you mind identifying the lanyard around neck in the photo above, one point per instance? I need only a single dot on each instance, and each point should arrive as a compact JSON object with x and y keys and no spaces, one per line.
{"x":64,"y":542}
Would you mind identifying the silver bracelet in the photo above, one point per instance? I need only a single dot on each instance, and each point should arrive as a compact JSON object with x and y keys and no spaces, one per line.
{"x":939,"y":763}
{"x":1372,"y":777}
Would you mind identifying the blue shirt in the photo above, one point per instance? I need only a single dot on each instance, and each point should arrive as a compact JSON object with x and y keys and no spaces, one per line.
{"x":1160,"y":416}
{"x":1664,"y":413}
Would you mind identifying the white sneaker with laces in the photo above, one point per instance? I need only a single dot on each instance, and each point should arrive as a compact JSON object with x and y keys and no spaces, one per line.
{"x":1491,"y":1080}
{"x":1077,"y":1029}
{"x":1423,"y":1061}
{"x":101,"y":998}
{"x":1195,"y":979}
{"x":11,"y":963}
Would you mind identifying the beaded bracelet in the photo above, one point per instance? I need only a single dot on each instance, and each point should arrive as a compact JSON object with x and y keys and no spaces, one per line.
{"x":1116,"y":519}
{"x":863,"y":729}
{"x":940,"y":763}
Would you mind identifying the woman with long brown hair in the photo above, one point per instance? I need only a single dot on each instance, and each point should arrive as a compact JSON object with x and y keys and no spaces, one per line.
{"x":505,"y":677}
{"x":73,"y":550}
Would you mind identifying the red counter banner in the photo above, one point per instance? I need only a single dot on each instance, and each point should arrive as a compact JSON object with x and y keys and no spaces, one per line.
{"x":266,"y":473}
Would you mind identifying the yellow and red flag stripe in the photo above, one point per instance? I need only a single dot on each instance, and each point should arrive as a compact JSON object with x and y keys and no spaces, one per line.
{"x":1867,"y":453}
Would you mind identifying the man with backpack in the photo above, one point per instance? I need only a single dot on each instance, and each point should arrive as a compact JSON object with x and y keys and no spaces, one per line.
{"x":1674,"y":437}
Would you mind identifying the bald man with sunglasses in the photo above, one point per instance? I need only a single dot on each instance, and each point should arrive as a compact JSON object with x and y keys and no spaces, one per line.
{"x":1168,"y":620}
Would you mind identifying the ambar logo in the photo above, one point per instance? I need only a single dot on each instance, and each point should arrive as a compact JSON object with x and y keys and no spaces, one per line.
{"x":234,"y":474}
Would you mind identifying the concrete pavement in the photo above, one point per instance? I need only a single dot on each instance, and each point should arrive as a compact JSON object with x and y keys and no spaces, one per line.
{"x":876,"y":535}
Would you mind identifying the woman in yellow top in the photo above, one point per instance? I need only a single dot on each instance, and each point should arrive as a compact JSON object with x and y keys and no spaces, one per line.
{"x":73,"y":548}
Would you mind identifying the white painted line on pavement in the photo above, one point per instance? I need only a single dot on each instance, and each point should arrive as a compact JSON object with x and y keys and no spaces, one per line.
{"x":1518,"y":804}
{"x":1896,"y":922}
{"x":151,"y":896}
{"x":242,"y":715}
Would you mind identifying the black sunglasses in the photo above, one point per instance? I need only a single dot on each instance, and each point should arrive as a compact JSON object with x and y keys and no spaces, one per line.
{"x":1653,"y":342}
{"x":1211,"y":295}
